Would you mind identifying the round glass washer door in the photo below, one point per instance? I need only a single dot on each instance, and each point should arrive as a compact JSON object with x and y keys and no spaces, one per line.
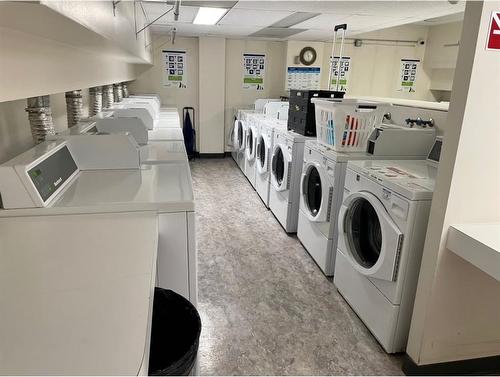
{"x":241,"y":136}
{"x":261,"y":151}
{"x":279,"y":169}
{"x":371,"y":239}
{"x":315,"y":191}
{"x":250,"y":144}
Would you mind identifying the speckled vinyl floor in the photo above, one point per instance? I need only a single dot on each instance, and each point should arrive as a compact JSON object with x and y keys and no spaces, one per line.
{"x":266,"y":308}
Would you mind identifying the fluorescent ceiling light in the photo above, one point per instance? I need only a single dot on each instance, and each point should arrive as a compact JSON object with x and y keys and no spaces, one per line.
{"x":209,"y":16}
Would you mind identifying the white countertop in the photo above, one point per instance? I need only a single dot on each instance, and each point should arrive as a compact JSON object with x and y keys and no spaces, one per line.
{"x":479,"y":244}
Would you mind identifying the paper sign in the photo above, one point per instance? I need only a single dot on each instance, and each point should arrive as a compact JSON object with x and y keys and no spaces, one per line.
{"x":408,"y":77}
{"x":342,"y":71}
{"x":174,"y":69}
{"x":254,"y":69}
{"x":494,"y":33}
{"x":303,"y":78}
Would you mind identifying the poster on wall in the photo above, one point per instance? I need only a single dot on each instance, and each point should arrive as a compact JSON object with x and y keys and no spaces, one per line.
{"x":254,"y":69}
{"x":174,"y":71}
{"x":408,"y":77}
{"x":303,"y":78}
{"x":341,"y":72}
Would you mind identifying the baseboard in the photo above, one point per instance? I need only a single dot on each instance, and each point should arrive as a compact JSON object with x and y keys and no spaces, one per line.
{"x":472,"y":367}
{"x":212,"y":155}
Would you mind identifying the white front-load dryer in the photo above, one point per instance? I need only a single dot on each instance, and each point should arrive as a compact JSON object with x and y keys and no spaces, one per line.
{"x":250,"y":148}
{"x":264,"y":148}
{"x":317,"y":210}
{"x":382,"y":227}
{"x":286,"y":168}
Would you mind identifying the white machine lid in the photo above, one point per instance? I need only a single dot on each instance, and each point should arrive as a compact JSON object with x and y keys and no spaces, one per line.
{"x":157,"y":152}
{"x":162,"y":188}
{"x":413,"y":179}
{"x":165,"y":134}
{"x":292,"y":136}
{"x":338,"y":156}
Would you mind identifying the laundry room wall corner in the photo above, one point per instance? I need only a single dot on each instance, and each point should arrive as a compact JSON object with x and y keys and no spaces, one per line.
{"x":456,"y":312}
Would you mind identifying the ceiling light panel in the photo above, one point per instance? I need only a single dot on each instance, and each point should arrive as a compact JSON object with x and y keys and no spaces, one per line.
{"x":209,"y":16}
{"x":280,"y":33}
{"x":249,"y":17}
{"x":294,"y":19}
{"x":154,"y":10}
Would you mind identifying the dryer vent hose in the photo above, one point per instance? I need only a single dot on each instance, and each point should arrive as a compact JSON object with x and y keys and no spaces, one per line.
{"x":74,"y":107}
{"x":117,"y":92}
{"x":95,"y":100}
{"x":107,"y":96}
{"x":125,"y":90}
{"x":40,"y":118}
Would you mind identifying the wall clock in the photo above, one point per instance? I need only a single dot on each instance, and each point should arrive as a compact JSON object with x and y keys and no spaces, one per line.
{"x":307,"y":55}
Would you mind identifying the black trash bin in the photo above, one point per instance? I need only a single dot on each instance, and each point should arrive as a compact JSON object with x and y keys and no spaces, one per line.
{"x":175,"y":335}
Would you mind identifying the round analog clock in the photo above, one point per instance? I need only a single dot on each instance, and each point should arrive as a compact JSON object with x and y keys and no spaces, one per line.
{"x":307,"y":55}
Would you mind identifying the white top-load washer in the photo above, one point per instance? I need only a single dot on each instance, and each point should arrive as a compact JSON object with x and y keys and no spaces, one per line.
{"x":155,"y":147}
{"x":382,"y":228}
{"x":161,"y":117}
{"x":87,"y":233}
{"x":286,"y":168}
{"x":322,"y":184}
{"x":263,"y":151}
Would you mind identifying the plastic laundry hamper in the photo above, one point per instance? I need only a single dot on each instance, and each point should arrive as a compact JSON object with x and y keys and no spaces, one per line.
{"x":345,"y":125}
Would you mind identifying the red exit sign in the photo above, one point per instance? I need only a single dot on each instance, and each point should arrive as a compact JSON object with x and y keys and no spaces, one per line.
{"x":494,"y":34}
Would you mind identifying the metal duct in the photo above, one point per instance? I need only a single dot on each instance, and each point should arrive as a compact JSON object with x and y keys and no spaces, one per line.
{"x":117,"y":92}
{"x":107,"y":96}
{"x":74,"y":107}
{"x":95,"y":100}
{"x":125,"y":90}
{"x":40,"y":118}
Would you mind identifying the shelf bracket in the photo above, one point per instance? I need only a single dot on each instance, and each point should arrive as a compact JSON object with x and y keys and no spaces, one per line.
{"x":115,"y":3}
{"x":156,"y":19}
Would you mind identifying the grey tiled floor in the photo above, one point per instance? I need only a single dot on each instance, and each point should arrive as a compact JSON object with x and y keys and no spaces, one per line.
{"x":266,"y":308}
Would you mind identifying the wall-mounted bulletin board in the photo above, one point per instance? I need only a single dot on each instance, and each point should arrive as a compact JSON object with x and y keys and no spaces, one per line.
{"x":175,"y":69}
{"x":254,"y":69}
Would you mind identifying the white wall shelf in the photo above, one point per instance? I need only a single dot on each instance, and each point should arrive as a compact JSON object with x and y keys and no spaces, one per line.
{"x":479,"y":244}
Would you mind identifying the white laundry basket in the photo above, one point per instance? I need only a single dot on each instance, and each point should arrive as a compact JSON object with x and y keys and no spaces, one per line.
{"x":345,"y":125}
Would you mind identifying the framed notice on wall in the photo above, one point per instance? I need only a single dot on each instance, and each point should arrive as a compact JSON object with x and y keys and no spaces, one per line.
{"x":174,"y":69}
{"x":254,"y":69}
{"x":341,"y":72}
{"x":303,"y":78}
{"x":408,"y":75}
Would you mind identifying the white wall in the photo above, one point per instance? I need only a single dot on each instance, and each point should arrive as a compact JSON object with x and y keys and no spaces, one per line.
{"x":151,"y":81}
{"x":212,"y":68}
{"x":457,"y":308}
{"x":236,"y":96}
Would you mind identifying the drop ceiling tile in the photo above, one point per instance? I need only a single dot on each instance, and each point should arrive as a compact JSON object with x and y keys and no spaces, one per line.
{"x":251,"y":17}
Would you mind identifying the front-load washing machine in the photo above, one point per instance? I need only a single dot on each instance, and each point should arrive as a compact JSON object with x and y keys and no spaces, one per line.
{"x":239,"y":143}
{"x":286,"y":168}
{"x":382,"y":227}
{"x":322,"y":184}
{"x":263,"y":150}
{"x":250,"y":141}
